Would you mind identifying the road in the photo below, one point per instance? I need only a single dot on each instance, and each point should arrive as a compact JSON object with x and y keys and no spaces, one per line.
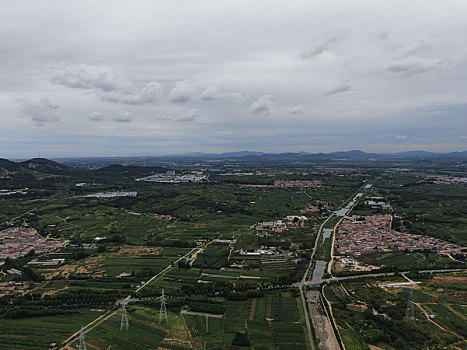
{"x":305,"y":275}
{"x":322,"y":321}
{"x":90,"y":326}
{"x":307,"y":319}
{"x":381,"y":274}
{"x":204,"y":314}
{"x":307,"y":272}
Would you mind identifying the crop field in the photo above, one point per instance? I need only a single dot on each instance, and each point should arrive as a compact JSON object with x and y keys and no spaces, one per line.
{"x":40,"y":332}
{"x":139,"y":261}
{"x":144,"y":331}
{"x":408,"y":261}
{"x":433,"y":209}
{"x":369,"y":315}
{"x":269,"y":322}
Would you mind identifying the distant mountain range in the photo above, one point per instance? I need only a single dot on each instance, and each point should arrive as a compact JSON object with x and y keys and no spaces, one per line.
{"x":353,"y":154}
{"x":133,"y":165}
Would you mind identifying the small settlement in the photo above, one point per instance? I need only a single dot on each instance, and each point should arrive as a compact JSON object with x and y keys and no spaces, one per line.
{"x":360,"y":235}
{"x":18,"y":241}
{"x":171,"y":177}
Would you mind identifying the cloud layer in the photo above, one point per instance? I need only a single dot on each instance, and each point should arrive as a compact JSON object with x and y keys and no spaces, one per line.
{"x":172,"y":77}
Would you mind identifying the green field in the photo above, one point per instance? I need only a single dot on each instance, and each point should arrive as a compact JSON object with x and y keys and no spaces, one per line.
{"x":144,"y":331}
{"x":355,"y":304}
{"x":40,"y":332}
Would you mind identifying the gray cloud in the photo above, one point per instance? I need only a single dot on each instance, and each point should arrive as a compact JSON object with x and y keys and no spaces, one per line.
{"x":95,"y":116}
{"x":131,"y":58}
{"x":319,"y":48}
{"x":41,"y":112}
{"x":189,"y":116}
{"x":150,"y":93}
{"x":413,"y":65}
{"x":296,"y":109}
{"x":91,"y":77}
{"x":413,"y":49}
{"x":109,"y":85}
{"x":182,"y":92}
{"x":263,"y":105}
{"x":339,"y":89}
{"x":124,"y":117}
{"x":216,"y":93}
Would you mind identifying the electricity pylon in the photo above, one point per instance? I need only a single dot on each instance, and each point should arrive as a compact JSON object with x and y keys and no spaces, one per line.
{"x":409,"y":313}
{"x":163,"y":312}
{"x":82,"y":342}
{"x":124,"y":325}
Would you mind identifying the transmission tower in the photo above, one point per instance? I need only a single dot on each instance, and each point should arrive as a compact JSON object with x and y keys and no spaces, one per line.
{"x":82,"y":342}
{"x":409,"y":314}
{"x":124,"y":325}
{"x":163,"y":312}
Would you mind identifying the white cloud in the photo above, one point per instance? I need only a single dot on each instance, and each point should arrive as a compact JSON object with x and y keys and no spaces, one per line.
{"x":182,"y":92}
{"x":41,"y":112}
{"x":263,"y":105}
{"x":296,"y":109}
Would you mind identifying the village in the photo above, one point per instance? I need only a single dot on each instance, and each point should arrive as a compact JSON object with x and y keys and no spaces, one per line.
{"x":18,"y":241}
{"x":367,"y":234}
{"x":112,"y":194}
{"x":171,"y":177}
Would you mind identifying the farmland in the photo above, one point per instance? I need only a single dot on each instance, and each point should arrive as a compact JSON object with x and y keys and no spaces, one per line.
{"x":370,"y":315}
{"x":232,"y":247}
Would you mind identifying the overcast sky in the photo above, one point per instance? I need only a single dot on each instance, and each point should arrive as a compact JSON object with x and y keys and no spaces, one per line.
{"x":163,"y":77}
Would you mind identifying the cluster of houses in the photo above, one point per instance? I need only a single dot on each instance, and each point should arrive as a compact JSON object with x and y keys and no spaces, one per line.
{"x":377,"y":202}
{"x":367,"y":234}
{"x":270,"y":226}
{"x":171,"y":177}
{"x":112,"y":194}
{"x":18,"y":241}
{"x":351,"y":264}
{"x":297,"y":183}
{"x":265,"y":228}
{"x":446,"y":179}
{"x":266,"y":250}
{"x":310,"y":208}
{"x":161,"y":217}
{"x":11,"y":287}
